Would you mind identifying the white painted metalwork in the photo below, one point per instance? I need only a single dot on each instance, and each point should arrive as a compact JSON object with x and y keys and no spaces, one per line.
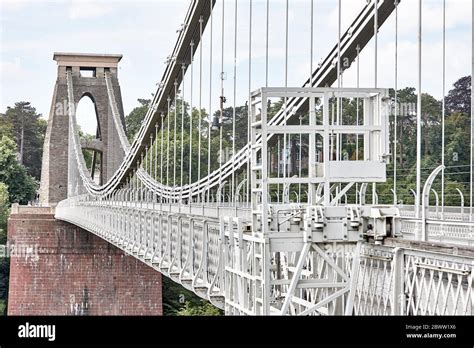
{"x":426,"y":200}
{"x":400,"y":281}
{"x":249,"y":254}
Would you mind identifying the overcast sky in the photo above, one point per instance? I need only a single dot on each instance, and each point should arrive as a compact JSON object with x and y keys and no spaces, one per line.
{"x":145,"y":33}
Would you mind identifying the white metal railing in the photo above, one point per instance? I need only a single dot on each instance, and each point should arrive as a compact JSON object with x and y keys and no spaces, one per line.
{"x":220,"y":262}
{"x":398,"y":281}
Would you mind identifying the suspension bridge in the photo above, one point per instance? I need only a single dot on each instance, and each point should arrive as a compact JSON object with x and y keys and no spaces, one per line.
{"x":288,"y":223}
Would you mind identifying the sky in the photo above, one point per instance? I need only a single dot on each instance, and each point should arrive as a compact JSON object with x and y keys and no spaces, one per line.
{"x":145,"y":32}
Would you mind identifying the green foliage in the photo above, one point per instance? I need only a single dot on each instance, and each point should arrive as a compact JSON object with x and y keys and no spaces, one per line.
{"x":182,"y":140}
{"x":459,"y":98}
{"x":457,"y":138}
{"x":134,"y":120}
{"x":21,"y":186}
{"x":6,"y":127}
{"x":203,"y":309}
{"x":175,"y":296}
{"x":457,"y":126}
{"x":4,"y":273}
{"x":21,"y":148}
{"x":4,"y":262}
{"x":180,"y":301}
{"x":3,"y":307}
{"x":88,"y":154}
{"x":4,"y":212}
{"x":23,"y":124}
{"x":241,"y":120}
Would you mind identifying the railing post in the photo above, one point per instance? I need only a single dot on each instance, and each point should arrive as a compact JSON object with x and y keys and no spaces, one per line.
{"x":437,"y":201}
{"x":398,"y":291}
{"x":354,"y":280}
{"x":395,"y":199}
{"x":363,"y":189}
{"x":425,"y":201}
{"x":462,"y":203}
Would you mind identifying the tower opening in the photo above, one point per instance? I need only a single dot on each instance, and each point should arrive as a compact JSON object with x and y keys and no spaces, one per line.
{"x":87,"y":72}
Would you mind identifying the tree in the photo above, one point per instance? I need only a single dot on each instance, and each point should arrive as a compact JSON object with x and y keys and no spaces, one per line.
{"x":406,"y":125}
{"x":178,"y":300}
{"x":431,"y":121}
{"x":4,"y":262}
{"x":134,"y":120}
{"x":4,"y":212}
{"x":202,"y":309}
{"x":459,"y":98}
{"x":241,"y":125}
{"x":457,"y":137}
{"x":5,"y":127}
{"x":27,"y":129}
{"x":88,"y":154}
{"x":21,"y":186}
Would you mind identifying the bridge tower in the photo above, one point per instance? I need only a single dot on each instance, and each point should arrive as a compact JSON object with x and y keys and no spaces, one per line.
{"x":88,"y":72}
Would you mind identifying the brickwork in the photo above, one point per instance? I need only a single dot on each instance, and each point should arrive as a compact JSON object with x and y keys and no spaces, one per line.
{"x":75,"y":273}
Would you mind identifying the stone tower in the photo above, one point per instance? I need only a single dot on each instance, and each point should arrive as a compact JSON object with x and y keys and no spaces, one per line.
{"x":88,"y":71}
